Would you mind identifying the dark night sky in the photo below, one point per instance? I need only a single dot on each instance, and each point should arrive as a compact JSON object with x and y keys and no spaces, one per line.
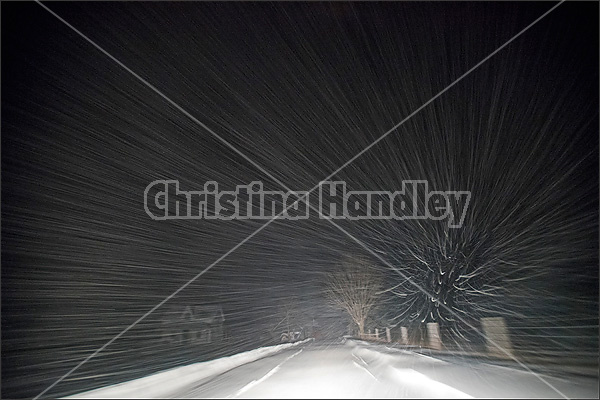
{"x":300,"y":88}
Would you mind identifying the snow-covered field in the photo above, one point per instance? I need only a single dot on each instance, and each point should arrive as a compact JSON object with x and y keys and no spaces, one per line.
{"x":346,"y":369}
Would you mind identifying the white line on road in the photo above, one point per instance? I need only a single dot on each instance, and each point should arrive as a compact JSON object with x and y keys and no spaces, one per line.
{"x":366,"y":370}
{"x":258,"y":381}
{"x":363,"y":365}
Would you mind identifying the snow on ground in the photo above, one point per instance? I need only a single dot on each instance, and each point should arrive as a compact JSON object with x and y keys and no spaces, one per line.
{"x":165,"y":384}
{"x":472,"y":377}
{"x":348,"y":369}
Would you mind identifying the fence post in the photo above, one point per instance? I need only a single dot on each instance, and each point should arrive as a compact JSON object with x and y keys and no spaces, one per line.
{"x":496,"y":335}
{"x":433,"y":336}
{"x":388,"y":334}
{"x":376,"y":333}
{"x":404,"y":334}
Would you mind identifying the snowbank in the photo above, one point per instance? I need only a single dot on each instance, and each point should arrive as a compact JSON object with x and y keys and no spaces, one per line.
{"x":169,"y":383}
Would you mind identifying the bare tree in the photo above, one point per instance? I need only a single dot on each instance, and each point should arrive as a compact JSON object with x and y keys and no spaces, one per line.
{"x":354,"y":287}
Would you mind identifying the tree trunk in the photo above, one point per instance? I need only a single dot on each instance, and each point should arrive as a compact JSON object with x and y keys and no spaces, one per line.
{"x":361,"y":329}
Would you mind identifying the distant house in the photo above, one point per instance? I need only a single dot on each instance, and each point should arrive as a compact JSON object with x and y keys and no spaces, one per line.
{"x":192,"y":324}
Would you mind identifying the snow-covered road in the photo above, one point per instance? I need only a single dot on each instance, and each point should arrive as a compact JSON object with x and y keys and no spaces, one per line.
{"x":359,"y":370}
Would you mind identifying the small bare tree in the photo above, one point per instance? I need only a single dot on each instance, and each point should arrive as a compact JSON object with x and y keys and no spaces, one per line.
{"x":354,"y":287}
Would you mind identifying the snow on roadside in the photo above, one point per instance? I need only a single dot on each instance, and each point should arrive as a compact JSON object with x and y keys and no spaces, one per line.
{"x":163,"y":384}
{"x":384,"y":366}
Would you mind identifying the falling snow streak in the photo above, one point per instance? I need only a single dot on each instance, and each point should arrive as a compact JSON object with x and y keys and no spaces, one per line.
{"x":300,"y":88}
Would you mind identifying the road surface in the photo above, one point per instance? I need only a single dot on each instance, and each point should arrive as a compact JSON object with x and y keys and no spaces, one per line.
{"x":358,"y":370}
